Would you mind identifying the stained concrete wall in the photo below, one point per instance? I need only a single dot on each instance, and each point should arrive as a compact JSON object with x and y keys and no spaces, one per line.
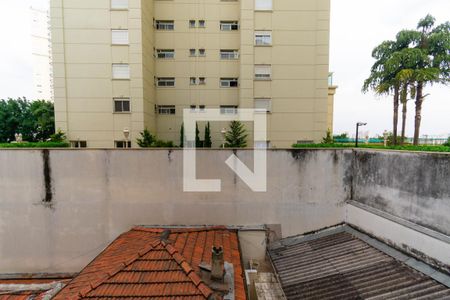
{"x":60,"y":208}
{"x":412,"y":186}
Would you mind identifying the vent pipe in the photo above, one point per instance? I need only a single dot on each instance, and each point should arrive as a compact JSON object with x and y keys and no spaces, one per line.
{"x":217,"y":264}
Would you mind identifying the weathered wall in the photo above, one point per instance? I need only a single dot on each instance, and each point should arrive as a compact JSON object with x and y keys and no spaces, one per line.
{"x":97,"y":194}
{"x":59,"y":208}
{"x":412,"y":186}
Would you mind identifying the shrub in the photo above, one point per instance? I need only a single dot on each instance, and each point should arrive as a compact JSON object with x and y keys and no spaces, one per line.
{"x":162,"y":144}
{"x":328,"y":139}
{"x":58,"y":137}
{"x":423,"y":148}
{"x":36,"y":145}
{"x":448,"y":142}
{"x":342,"y":136}
{"x":146,"y":140}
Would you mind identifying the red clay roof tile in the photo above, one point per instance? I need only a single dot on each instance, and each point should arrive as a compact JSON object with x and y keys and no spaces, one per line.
{"x":139,"y":265}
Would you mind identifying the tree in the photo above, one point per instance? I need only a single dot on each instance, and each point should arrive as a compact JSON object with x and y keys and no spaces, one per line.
{"x":34,"y":120}
{"x":341,"y":136}
{"x":328,"y":139}
{"x":417,"y":58}
{"x":146,"y":140}
{"x":43,"y":113}
{"x":198,"y":142}
{"x":435,"y":44}
{"x":236,"y":136}
{"x":403,"y":62}
{"x":382,"y":78}
{"x":207,"y":142}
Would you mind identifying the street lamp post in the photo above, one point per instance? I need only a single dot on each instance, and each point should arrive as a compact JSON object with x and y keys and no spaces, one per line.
{"x":359,"y":124}
{"x":126,"y":134}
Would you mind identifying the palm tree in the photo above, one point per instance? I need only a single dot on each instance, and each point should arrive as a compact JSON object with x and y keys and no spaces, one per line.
{"x":417,"y":58}
{"x":403,"y":62}
{"x":435,"y":44}
{"x":382,"y":79}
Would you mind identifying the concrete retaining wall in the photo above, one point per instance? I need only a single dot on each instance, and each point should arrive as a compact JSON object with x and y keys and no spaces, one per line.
{"x":412,"y":186}
{"x":60,"y":208}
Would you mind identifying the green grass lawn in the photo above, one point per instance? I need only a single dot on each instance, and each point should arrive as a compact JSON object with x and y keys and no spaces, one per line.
{"x":35,"y":145}
{"x":425,"y":148}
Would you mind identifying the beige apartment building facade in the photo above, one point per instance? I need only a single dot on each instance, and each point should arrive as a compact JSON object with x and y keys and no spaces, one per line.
{"x":121,"y":66}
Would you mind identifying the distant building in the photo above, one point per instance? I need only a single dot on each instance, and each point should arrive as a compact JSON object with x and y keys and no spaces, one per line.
{"x":124,"y":65}
{"x":41,"y":49}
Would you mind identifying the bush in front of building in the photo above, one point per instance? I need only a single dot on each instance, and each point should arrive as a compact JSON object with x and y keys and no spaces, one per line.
{"x":35,"y":145}
{"x":147,"y":140}
{"x":448,"y":142}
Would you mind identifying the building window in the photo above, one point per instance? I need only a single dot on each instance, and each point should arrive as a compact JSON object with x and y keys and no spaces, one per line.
{"x":119,"y":4}
{"x":263,"y":38}
{"x":78,"y":144}
{"x":192,"y":23}
{"x":229,"y":54}
{"x":202,"y":81}
{"x":263,"y":72}
{"x":263,"y":105}
{"x":202,"y":108}
{"x":228,"y":109}
{"x":202,"y":24}
{"x":121,"y":71}
{"x":228,"y":82}
{"x":165,"y":53}
{"x":165,"y":25}
{"x":229,"y":25}
{"x":122,"y":105}
{"x":193,"y":81}
{"x":120,"y":37}
{"x":330,"y":79}
{"x":202,"y":52}
{"x":262,"y":144}
{"x":193,"y":108}
{"x":123,"y":144}
{"x":263,"y":4}
{"x":166,"y":109}
{"x":165,"y":81}
{"x":192,"y":52}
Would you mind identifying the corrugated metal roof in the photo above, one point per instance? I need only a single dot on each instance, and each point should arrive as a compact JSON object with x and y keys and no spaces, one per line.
{"x":341,"y":266}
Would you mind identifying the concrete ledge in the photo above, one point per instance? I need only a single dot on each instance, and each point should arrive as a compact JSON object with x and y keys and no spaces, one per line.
{"x":433,"y":251}
{"x":403,"y":222}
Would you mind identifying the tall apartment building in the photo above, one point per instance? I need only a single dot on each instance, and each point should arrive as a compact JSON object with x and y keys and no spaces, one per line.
{"x":41,"y":50}
{"x":126,"y":65}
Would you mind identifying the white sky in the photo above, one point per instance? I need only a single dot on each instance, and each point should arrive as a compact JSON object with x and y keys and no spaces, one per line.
{"x":357,"y":26}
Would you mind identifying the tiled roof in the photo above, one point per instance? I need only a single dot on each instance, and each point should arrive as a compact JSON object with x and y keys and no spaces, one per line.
{"x":341,"y":266}
{"x":25,"y":295}
{"x":140,"y":264}
{"x":27,"y":289}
